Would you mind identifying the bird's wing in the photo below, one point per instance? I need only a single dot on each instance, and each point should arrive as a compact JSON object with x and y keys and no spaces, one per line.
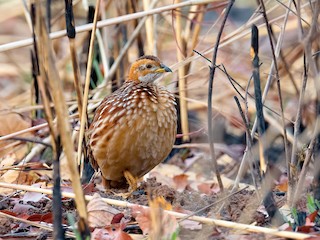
{"x":105,"y":118}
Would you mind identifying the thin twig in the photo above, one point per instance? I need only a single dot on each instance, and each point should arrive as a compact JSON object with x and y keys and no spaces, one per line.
{"x":222,"y":223}
{"x":267,"y":86}
{"x":286,"y":145}
{"x":71,"y":33}
{"x":44,"y":84}
{"x":249,"y":145}
{"x":297,"y":123}
{"x":302,"y":176}
{"x":56,"y":90}
{"x":24,"y":139}
{"x":212,"y":204}
{"x":233,"y":82}
{"x":32,"y":129}
{"x":211,"y":77}
{"x":268,"y":199}
{"x":83,"y":118}
{"x":314,"y":72}
{"x":289,"y":9}
{"x":107,"y":22}
{"x":32,"y":223}
{"x":125,"y":48}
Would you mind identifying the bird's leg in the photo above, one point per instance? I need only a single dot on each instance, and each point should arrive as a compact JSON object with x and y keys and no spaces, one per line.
{"x":133,"y":181}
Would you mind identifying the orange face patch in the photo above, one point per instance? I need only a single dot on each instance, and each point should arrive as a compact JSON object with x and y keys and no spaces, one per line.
{"x":139,"y":68}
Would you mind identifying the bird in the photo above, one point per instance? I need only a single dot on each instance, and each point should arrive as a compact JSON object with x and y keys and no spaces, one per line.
{"x":134,"y":128}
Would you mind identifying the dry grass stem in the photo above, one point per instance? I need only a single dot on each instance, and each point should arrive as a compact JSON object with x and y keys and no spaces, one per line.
{"x":47,"y":58}
{"x":125,"y":48}
{"x":275,"y":55}
{"x":83,"y":118}
{"x":32,"y":129}
{"x":215,"y":140}
{"x":104,"y":23}
{"x":267,"y":88}
{"x":181,"y":76}
{"x":211,"y":78}
{"x":312,"y":69}
{"x":32,"y":223}
{"x":149,"y":29}
{"x":221,"y":223}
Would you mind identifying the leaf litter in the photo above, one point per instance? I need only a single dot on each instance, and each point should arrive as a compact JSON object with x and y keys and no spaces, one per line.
{"x":183,"y":184}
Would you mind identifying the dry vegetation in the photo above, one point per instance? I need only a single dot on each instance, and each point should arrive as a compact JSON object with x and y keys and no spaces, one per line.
{"x":247,"y":173}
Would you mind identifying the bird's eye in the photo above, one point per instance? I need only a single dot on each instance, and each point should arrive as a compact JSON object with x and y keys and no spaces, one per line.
{"x":149,"y":66}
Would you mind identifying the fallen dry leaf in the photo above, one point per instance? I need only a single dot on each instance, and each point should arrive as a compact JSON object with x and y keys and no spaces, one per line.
{"x":22,"y":208}
{"x":181,"y":182}
{"x":116,"y":231}
{"x":164,"y":180}
{"x":33,"y":196}
{"x":208,"y":188}
{"x":100,"y":234}
{"x":142,"y":216}
{"x":168,"y":170}
{"x":100,"y":214}
{"x":282,"y":185}
{"x":109,"y":234}
{"x":48,"y":217}
{"x":19,"y":177}
{"x":154,"y":221}
{"x":10,"y":123}
{"x":191,"y":225}
{"x":204,"y":188}
{"x":7,"y":161}
{"x":64,"y":172}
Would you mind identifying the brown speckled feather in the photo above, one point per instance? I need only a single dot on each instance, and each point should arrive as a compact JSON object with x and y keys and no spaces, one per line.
{"x":134,"y":125}
{"x":134,"y":128}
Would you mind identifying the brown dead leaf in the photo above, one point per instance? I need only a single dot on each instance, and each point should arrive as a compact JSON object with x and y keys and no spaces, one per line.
{"x":64,"y":172}
{"x":100,"y":234}
{"x":89,"y":188}
{"x":10,"y":123}
{"x":204,"y":188}
{"x":19,"y":177}
{"x":100,"y":214}
{"x":110,"y":233}
{"x":142,"y":216}
{"x":47,"y":217}
{"x":7,"y":161}
{"x":116,"y":231}
{"x":164,"y":180}
{"x":154,"y":221}
{"x":282,"y":186}
{"x":208,"y":188}
{"x":181,"y":182}
{"x":117,"y":218}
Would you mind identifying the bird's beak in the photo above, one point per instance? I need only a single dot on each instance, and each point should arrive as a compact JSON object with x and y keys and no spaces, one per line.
{"x":163,"y":68}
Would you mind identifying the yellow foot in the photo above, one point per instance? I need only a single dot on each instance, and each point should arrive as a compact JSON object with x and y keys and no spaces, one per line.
{"x":132,"y":181}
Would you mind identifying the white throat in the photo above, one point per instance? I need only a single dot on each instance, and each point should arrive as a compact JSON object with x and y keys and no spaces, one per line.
{"x":150,"y":77}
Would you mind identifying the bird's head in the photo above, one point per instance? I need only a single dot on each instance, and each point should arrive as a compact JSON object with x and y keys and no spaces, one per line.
{"x":147,"y":69}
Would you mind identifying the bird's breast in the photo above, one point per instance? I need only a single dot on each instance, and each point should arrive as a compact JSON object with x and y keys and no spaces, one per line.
{"x":137,"y":125}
